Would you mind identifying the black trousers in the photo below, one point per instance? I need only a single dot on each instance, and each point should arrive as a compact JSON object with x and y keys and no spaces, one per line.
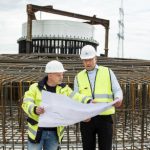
{"x":101,"y":126}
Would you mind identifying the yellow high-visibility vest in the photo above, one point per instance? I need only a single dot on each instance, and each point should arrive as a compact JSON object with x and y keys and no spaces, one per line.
{"x":102,"y":91}
{"x":33,"y":98}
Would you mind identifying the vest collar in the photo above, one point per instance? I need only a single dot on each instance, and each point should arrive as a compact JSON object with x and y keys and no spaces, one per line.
{"x":42,"y":83}
{"x":95,"y":69}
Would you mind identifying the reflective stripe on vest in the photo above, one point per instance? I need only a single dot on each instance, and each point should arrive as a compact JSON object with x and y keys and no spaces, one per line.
{"x":72,"y":94}
{"x":102,"y":89}
{"x":83,"y":99}
{"x":32,"y":131}
{"x":30,"y":109}
{"x":60,"y":132}
{"x":28,"y":100}
{"x":108,"y":96}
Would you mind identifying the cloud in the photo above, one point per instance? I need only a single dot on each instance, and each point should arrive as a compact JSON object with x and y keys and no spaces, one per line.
{"x":8,"y":5}
{"x":136,"y":20}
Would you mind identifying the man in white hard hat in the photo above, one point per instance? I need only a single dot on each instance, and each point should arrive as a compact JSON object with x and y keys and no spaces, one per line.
{"x":101,"y":84}
{"x":46,"y":138}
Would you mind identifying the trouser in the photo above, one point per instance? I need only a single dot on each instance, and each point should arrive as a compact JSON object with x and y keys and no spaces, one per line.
{"x":49,"y":141}
{"x":101,"y":126}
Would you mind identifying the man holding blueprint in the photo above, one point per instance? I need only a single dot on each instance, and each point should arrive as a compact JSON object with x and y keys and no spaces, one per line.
{"x":47,"y":137}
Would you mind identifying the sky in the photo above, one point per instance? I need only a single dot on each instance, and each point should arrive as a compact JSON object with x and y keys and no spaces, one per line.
{"x":136,"y":23}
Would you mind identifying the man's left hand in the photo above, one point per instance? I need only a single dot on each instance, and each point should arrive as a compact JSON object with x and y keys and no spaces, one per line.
{"x":118,"y":104}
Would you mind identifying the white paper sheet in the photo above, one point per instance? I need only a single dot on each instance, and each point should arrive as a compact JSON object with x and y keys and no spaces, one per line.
{"x":61,"y":110}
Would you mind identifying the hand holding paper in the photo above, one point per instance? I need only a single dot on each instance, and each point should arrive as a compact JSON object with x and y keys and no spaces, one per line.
{"x":61,"y":110}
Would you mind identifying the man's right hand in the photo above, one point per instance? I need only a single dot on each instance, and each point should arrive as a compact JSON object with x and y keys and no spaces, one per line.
{"x":40,"y":110}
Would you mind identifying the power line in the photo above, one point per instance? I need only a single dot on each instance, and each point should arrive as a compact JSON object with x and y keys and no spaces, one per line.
{"x":120,"y":50}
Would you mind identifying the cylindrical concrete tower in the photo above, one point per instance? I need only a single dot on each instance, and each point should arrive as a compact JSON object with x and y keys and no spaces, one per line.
{"x":58,"y":36}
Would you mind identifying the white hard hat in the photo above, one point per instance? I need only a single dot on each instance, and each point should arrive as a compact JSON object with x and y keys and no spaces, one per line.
{"x":87,"y":52}
{"x":54,"y":66}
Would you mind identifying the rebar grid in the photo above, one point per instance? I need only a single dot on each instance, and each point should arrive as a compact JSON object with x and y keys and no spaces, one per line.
{"x":131,"y":121}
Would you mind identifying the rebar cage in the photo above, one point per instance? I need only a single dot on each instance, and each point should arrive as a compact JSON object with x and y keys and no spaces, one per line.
{"x":131,"y":121}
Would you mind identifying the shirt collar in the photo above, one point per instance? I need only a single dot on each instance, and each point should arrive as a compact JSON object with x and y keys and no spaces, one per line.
{"x":96,"y":67}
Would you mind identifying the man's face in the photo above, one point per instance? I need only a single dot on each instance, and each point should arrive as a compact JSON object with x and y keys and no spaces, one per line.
{"x":55,"y":78}
{"x":89,"y":64}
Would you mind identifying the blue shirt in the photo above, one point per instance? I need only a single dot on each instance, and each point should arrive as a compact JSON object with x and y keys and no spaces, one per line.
{"x":116,"y":89}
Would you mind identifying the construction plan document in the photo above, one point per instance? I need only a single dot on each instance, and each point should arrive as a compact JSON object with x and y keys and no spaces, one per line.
{"x":61,"y":110}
